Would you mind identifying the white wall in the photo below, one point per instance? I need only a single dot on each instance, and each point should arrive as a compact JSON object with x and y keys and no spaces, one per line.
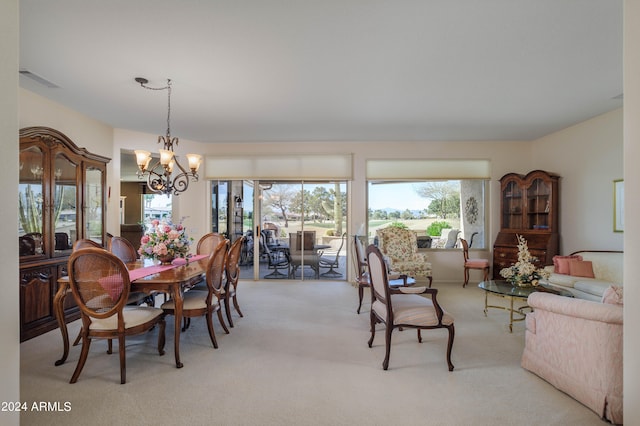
{"x":632,"y":210}
{"x":588,"y":156}
{"x":9,"y":306}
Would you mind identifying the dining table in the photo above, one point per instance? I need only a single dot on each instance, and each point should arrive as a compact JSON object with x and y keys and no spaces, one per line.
{"x":147,"y":277}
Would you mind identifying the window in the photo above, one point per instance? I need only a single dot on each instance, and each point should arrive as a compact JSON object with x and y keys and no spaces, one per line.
{"x":440,"y":211}
{"x":155,"y":206}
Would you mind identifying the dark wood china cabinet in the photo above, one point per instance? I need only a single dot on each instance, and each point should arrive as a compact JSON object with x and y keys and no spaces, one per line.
{"x":528,"y":207}
{"x":61,"y":199}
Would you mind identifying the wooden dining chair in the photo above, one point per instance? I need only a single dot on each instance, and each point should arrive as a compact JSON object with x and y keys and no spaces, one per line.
{"x":85,"y":243}
{"x":100,"y":285}
{"x":232,"y":273}
{"x":481,"y":264}
{"x":125,"y":251}
{"x":204,"y":303}
{"x":208,"y":242}
{"x":206,"y":245}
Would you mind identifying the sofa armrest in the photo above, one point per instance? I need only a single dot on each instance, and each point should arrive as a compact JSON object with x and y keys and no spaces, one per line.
{"x":579,"y":308}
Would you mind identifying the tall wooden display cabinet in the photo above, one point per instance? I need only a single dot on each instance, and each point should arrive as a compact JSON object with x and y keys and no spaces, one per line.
{"x":62,"y":198}
{"x":528,"y":207}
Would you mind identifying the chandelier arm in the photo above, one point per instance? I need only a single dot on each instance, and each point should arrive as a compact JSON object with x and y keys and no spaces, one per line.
{"x":156,"y":184}
{"x":180,"y":183}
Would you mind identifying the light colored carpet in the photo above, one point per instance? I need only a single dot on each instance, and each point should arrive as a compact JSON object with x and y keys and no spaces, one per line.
{"x":300,"y":357}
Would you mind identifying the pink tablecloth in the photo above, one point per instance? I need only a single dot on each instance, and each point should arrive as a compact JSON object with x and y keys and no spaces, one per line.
{"x":149,"y":270}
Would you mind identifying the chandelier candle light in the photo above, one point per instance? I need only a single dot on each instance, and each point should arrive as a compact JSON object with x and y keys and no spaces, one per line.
{"x":160,"y":177}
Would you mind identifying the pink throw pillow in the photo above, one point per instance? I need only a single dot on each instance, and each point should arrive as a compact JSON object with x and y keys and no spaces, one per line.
{"x":561,"y":263}
{"x":581,"y":268}
{"x":612,"y":295}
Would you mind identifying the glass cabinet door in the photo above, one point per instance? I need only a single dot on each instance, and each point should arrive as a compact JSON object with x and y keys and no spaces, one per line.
{"x":538,"y":200}
{"x":93,"y":208}
{"x":512,"y":206}
{"x":65,"y":221}
{"x":31,"y":202}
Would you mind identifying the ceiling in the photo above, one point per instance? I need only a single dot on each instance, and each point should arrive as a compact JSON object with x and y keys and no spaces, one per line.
{"x":345,"y":70}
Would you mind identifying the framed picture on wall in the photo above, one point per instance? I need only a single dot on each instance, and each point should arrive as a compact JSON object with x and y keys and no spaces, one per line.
{"x":618,"y":205}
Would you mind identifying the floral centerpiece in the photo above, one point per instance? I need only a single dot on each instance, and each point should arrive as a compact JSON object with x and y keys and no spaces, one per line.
{"x":164,"y":241}
{"x":524,"y":273}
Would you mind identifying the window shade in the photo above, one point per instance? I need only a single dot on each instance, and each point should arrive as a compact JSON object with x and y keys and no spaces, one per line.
{"x":280,"y":167}
{"x":428,"y":169}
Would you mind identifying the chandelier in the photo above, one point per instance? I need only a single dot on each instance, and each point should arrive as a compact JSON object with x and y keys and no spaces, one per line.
{"x":167,"y":175}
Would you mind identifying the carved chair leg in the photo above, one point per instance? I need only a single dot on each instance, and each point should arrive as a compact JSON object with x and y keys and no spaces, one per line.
{"x":186,"y":323}
{"x":221,"y":319}
{"x":450,"y":346}
{"x":84,"y":353}
{"x":235,"y":305}
{"x":387,"y":344}
{"x":227,"y":309}
{"x":123,"y":360}
{"x":161,"y":336}
{"x":466,"y":277}
{"x":373,"y":328}
{"x":419,"y":336}
{"x":212,"y":334}
{"x":75,"y":342}
{"x":110,"y":346}
{"x":360,"y":297}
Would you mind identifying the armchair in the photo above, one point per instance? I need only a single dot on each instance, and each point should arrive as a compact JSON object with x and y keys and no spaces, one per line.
{"x":399,"y":248}
{"x":403,"y":307}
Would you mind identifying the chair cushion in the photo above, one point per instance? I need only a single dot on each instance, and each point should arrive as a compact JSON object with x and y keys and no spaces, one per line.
{"x":133,"y":316}
{"x":193,"y":299}
{"x":477,"y":263}
{"x":412,"y":309}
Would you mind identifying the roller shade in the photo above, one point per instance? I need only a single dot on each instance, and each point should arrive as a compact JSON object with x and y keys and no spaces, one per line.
{"x":428,"y":169}
{"x":280,"y":167}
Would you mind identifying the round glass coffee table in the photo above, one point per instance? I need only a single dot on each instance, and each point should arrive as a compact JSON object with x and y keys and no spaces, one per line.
{"x":505,"y":290}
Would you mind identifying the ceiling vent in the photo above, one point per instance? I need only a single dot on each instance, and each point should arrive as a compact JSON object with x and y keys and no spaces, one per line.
{"x":38,"y":79}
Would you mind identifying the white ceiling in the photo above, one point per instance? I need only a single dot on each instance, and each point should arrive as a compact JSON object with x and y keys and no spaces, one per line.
{"x":304,"y":70}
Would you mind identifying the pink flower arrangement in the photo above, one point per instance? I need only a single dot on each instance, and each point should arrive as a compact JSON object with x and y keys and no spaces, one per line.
{"x":164,"y":238}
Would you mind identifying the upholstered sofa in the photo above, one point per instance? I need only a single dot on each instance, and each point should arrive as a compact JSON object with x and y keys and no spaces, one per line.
{"x":586,"y":274}
{"x":576,"y":345}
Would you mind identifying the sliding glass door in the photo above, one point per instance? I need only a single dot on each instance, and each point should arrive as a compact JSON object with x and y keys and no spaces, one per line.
{"x":294,"y":230}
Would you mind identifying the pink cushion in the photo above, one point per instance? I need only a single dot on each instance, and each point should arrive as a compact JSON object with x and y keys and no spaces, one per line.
{"x":612,"y":295}
{"x":477,"y":263}
{"x":581,"y":268}
{"x":561,"y":263}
